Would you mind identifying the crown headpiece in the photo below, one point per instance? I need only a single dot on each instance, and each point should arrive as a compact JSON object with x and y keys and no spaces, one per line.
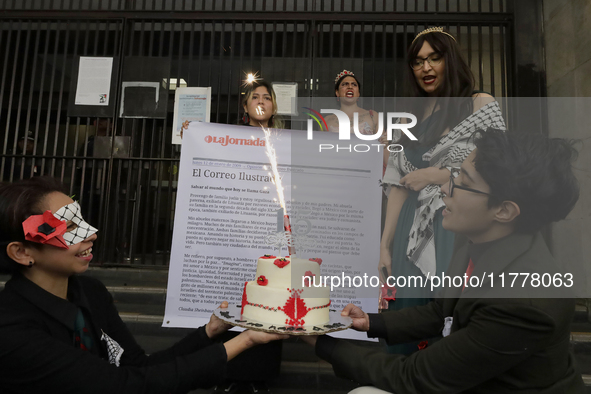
{"x":433,"y":30}
{"x":342,"y":74}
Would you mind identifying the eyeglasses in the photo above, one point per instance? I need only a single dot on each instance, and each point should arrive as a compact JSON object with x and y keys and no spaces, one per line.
{"x":434,"y":60}
{"x":453,"y":186}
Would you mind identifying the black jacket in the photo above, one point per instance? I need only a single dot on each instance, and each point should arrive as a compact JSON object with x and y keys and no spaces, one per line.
{"x":503,"y":340}
{"x":37,"y":353}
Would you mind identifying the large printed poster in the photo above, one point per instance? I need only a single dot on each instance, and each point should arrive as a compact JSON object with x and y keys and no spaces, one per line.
{"x":226,"y":216}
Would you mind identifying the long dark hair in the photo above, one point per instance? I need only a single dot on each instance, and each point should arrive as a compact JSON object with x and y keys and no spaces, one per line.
{"x":18,"y":201}
{"x":458,"y":81}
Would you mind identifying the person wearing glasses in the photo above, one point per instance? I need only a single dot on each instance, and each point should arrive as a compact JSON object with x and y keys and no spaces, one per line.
{"x":448,"y":111}
{"x":496,"y":337}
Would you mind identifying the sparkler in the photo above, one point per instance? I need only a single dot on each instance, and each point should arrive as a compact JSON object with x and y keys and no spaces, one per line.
{"x":270,"y":151}
{"x":251,"y":78}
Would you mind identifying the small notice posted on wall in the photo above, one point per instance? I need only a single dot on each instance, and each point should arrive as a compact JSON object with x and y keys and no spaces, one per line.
{"x":190,"y":105}
{"x":94,"y":81}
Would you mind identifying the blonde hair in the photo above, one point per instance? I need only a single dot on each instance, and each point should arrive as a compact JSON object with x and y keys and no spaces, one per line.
{"x":277,"y":120}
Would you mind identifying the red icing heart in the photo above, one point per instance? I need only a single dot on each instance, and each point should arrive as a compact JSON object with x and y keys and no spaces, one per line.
{"x":262,"y":281}
{"x":282,"y":262}
{"x":268,"y":256}
{"x":316,"y":259}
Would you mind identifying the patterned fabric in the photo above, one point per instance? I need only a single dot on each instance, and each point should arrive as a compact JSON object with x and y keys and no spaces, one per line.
{"x":82,"y":336}
{"x":73,"y":213}
{"x":450,"y":152}
{"x":114,"y":350}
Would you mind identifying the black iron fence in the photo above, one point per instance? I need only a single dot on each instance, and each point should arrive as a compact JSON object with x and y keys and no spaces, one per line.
{"x":124,"y":171}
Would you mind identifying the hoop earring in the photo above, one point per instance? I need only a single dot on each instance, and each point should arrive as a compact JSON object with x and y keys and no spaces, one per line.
{"x":246,"y":118}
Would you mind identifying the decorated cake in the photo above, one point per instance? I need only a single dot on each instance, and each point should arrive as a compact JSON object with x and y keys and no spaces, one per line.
{"x":282,"y":294}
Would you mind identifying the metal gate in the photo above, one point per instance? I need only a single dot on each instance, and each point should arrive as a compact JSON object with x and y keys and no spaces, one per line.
{"x":124,"y":171}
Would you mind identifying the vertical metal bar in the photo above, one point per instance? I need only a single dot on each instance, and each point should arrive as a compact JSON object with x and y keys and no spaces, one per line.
{"x":147,"y":237}
{"x":168,"y":199}
{"x":20,"y":101}
{"x":232,"y":42}
{"x":220,"y":69}
{"x":480,"y":64}
{"x":353,"y":37}
{"x":396,"y":93}
{"x":469,"y":27}
{"x":331,"y":40}
{"x":50,"y":95}
{"x":373,"y":60}
{"x":503,"y":69}
{"x":41,"y":90}
{"x":61,"y":91}
{"x":65,"y":145}
{"x":241,"y":73}
{"x":211,"y":59}
{"x":492,"y":60}
{"x":2,"y":85}
{"x":201,"y":45}
{"x":30,"y":103}
{"x":74,"y":161}
{"x":385,"y":87}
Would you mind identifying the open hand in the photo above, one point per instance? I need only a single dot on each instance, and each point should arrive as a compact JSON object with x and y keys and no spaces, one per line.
{"x":217,"y":326}
{"x":260,"y":337}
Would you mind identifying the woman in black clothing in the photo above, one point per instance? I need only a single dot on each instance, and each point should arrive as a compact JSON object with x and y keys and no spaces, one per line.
{"x":60,"y":332}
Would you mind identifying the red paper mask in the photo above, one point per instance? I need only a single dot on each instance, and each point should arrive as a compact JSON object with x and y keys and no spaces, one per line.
{"x":45,"y":229}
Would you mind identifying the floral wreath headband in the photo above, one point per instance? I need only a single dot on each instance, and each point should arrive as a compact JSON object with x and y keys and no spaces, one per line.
{"x":433,"y":30}
{"x":342,"y":74}
{"x":51,"y":228}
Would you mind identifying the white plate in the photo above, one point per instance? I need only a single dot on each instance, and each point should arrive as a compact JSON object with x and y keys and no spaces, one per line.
{"x":231,"y":315}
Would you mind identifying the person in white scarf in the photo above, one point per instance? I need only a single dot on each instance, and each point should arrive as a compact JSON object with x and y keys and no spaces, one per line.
{"x":449,"y":112}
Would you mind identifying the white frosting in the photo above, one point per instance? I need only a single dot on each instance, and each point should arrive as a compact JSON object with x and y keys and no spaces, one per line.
{"x":279,"y":301}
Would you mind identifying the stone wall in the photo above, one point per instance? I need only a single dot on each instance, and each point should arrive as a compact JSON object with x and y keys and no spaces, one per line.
{"x":567,"y":33}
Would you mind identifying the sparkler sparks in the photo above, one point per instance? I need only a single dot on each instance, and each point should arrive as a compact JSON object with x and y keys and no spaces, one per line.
{"x":274,"y":174}
{"x":251,"y":78}
{"x":270,"y":151}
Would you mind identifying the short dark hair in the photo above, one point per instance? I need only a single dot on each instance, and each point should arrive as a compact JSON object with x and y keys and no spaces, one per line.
{"x":532,"y":170}
{"x":338,"y":82}
{"x":18,"y":201}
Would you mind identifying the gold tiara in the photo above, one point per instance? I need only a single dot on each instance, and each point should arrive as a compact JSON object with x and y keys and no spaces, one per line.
{"x":342,"y":74}
{"x":432,"y":30}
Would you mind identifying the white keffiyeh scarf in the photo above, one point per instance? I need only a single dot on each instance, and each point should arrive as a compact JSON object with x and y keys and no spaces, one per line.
{"x":449,"y":152}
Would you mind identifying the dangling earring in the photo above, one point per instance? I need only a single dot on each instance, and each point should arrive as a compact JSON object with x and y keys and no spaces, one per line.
{"x":30,"y":264}
{"x":246,"y":118}
{"x":338,"y":98}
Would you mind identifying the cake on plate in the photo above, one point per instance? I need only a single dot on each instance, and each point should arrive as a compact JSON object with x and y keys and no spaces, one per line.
{"x":284,"y":292}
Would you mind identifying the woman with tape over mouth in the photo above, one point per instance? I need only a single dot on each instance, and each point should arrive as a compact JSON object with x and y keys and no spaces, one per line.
{"x":449,"y":110}
{"x":60,"y":331}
